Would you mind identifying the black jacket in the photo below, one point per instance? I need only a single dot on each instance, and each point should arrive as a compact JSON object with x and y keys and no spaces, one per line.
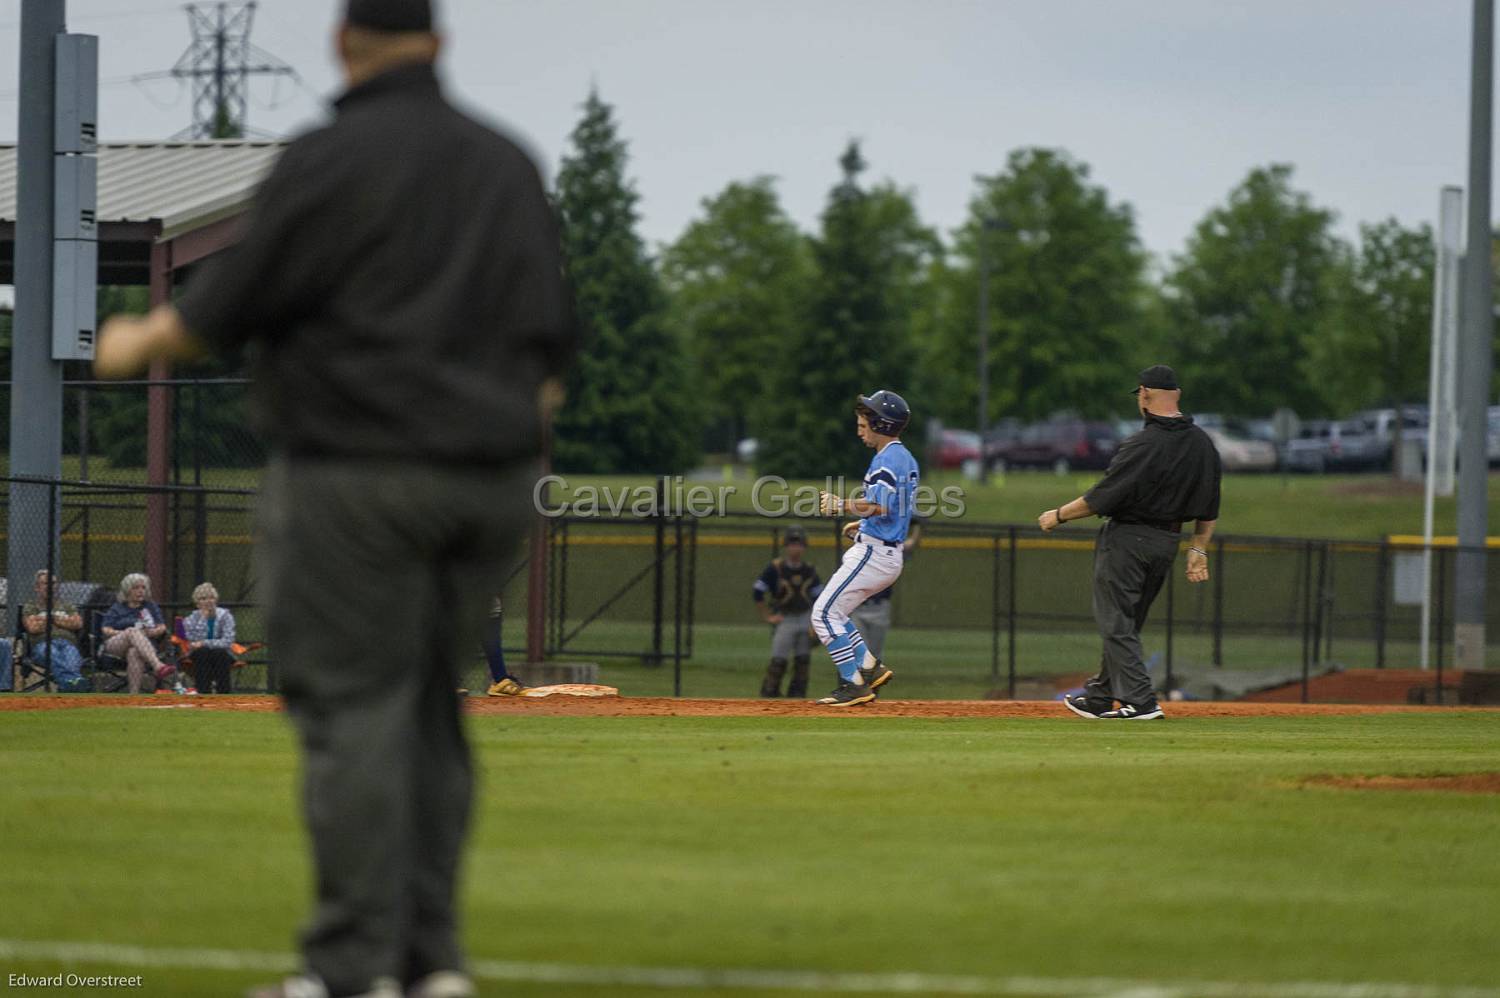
{"x":1167,"y":473}
{"x":401,"y":283}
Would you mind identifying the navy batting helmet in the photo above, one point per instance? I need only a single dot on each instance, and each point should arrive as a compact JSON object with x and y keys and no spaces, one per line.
{"x":887,"y":412}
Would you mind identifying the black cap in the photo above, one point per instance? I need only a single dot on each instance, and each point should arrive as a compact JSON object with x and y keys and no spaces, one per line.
{"x":794,"y":535}
{"x":390,"y":15}
{"x":1158,"y":376}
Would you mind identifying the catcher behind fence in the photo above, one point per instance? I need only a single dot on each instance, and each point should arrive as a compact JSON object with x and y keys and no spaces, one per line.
{"x":785,"y":592}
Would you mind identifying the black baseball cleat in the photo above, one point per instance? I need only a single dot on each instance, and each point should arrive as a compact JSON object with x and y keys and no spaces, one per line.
{"x":1082,"y":707}
{"x":848,"y":695}
{"x":876,"y":675}
{"x":1130,"y":712}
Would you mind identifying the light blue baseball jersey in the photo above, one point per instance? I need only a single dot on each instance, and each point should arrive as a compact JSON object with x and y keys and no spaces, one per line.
{"x":891,"y":482}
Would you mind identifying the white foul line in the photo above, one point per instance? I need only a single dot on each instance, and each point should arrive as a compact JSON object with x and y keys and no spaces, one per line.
{"x":693,"y":978}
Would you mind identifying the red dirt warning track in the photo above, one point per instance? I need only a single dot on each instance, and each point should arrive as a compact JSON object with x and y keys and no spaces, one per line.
{"x":563,"y":706}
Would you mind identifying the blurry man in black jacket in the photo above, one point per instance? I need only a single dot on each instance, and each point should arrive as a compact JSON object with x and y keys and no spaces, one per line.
{"x":401,"y":278}
{"x":1161,"y":477}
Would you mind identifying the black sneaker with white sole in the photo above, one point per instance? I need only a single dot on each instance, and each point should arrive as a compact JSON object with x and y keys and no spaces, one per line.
{"x":1130,"y":712}
{"x":848,"y":695}
{"x":1083,"y":707}
{"x":876,"y":675}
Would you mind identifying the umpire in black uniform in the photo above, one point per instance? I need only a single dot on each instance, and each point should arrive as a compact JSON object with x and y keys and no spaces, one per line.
{"x":1161,"y":477}
{"x":400,"y":277}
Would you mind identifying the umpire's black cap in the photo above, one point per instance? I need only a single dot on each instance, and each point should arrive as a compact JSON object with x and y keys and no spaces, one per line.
{"x":794,"y":535}
{"x":1157,"y":376}
{"x":390,"y":15}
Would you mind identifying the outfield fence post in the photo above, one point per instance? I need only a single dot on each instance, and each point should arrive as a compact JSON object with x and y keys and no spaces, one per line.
{"x":1382,"y":567}
{"x":84,"y":394}
{"x":558,"y":577}
{"x":1306,"y":612}
{"x":1011,"y":624}
{"x":692,"y":583}
{"x":54,"y":497}
{"x":995,"y":610}
{"x":1218,"y":573}
{"x":677,"y":606}
{"x":1323,"y":633}
{"x":1442,"y":606}
{"x":659,"y":573}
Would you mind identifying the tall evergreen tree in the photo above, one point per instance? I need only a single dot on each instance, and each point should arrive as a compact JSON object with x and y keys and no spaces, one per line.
{"x":871,"y":256}
{"x":629,"y":408}
{"x":738,"y":280}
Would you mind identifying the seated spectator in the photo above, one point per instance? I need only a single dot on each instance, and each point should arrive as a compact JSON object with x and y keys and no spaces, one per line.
{"x":131,"y":628}
{"x":56,"y":644}
{"x":209,"y":632}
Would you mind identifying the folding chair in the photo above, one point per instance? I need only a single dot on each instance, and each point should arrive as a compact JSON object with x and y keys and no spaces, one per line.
{"x":29,"y":675}
{"x":107,"y":672}
{"x":185,"y":652}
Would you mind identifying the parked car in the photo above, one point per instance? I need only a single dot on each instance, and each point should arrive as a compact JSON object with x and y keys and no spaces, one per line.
{"x":1062,"y":445}
{"x":1337,"y":445}
{"x":1241,"y":453}
{"x":955,"y":447}
{"x":998,"y":437}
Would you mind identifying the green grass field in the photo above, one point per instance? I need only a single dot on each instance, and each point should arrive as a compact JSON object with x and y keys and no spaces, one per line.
{"x":1343,"y":507}
{"x":1159,"y":856}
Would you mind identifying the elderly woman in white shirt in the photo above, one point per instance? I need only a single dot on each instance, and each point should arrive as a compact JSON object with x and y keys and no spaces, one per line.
{"x":209,"y":631}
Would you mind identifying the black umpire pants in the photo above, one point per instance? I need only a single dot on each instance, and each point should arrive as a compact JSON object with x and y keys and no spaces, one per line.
{"x":1131,"y":562}
{"x":378,"y":579}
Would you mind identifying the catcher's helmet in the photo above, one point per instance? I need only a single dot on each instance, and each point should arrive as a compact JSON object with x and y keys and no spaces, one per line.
{"x":794,"y":535}
{"x":887,"y":412}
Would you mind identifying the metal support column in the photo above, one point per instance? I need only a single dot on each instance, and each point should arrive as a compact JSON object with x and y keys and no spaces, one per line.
{"x":1475,"y":359}
{"x":36,"y":392}
{"x":158,"y":435}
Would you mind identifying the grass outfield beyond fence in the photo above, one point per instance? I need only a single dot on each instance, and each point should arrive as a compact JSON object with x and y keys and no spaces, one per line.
{"x":1343,"y":507}
{"x":1154,"y":855}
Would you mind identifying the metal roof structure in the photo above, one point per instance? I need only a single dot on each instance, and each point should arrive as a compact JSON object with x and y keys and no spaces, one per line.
{"x":155,"y":194}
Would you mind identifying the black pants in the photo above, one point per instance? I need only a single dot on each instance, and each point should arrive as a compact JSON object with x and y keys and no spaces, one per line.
{"x":378,"y":579}
{"x":211,"y":670}
{"x":1131,"y":563}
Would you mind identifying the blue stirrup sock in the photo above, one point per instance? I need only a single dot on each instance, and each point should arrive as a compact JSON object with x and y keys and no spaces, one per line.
{"x":848,"y":653}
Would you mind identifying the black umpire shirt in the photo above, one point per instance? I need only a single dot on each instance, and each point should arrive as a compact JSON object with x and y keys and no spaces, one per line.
{"x":400,"y":277}
{"x":1167,"y":473}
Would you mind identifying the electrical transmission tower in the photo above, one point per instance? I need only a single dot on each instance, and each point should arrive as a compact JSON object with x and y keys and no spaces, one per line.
{"x":219,"y":64}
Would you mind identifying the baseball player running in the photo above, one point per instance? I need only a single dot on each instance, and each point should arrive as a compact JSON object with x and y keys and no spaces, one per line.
{"x":873,"y":563}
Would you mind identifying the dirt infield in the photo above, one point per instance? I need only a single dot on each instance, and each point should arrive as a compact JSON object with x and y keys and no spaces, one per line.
{"x":560,"y":706}
{"x":1465,"y":783}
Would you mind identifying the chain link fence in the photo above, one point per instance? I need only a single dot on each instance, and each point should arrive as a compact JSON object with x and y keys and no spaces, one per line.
{"x":205,"y":437}
{"x":1005,"y":610}
{"x":979,"y":609}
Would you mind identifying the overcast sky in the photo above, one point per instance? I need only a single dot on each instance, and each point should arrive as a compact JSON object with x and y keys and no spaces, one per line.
{"x":1170,"y":102}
